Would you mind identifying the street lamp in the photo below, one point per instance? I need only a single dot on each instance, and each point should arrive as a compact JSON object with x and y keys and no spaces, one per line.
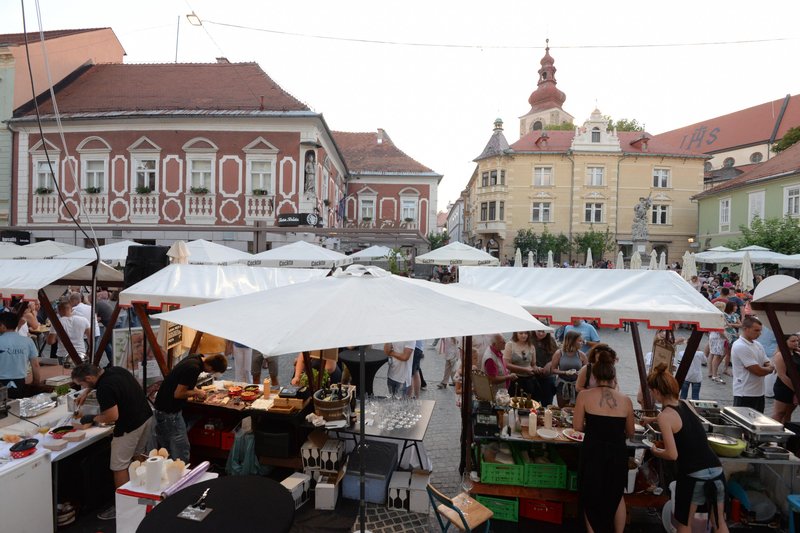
{"x":193,"y":19}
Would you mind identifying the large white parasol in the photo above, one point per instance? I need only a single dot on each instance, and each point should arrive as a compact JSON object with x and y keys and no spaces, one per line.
{"x":550,"y":263}
{"x":636,"y":260}
{"x":179,"y":253}
{"x":531,"y":260}
{"x":518,"y":258}
{"x":113,"y":253}
{"x":746,"y":274}
{"x":653,"y":261}
{"x":457,"y":253}
{"x":299,"y":254}
{"x":662,"y":261}
{"x":689,"y":269}
{"x":620,"y":261}
{"x":589,"y":261}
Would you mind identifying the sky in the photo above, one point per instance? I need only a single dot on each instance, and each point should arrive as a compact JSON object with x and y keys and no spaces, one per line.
{"x":438,"y":103}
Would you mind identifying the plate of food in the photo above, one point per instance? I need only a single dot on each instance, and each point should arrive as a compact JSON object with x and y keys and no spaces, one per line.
{"x":573,"y":434}
{"x":546,"y":433}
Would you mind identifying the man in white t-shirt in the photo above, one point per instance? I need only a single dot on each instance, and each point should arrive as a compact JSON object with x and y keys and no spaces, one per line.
{"x":77,"y":329}
{"x":750,"y":366}
{"x":401,"y":354}
{"x":79,"y":308}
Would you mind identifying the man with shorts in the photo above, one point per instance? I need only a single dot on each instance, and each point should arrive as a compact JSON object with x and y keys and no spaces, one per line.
{"x":750,"y":366}
{"x":399,"y":376}
{"x":177,"y":387}
{"x":270,"y":363}
{"x":122,"y":403}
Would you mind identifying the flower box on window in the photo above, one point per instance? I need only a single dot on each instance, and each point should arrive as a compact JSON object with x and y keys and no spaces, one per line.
{"x":326,"y":202}
{"x":93,"y":190}
{"x":260,"y":192}
{"x":199,"y":190}
{"x":43,"y":190}
{"x":144,"y":189}
{"x":409,"y":219}
{"x":366,"y":219}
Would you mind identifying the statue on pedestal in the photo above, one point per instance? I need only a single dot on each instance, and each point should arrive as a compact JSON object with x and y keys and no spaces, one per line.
{"x":641,"y":210}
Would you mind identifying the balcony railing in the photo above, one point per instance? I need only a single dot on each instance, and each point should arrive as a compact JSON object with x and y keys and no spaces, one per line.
{"x":45,"y":208}
{"x":201,"y":208}
{"x":492,"y":189}
{"x":259,"y":207}
{"x":491,"y":226}
{"x":95,"y":208}
{"x":144,"y":208}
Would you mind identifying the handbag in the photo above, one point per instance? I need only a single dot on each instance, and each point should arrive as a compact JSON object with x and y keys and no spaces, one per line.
{"x":664,"y":350}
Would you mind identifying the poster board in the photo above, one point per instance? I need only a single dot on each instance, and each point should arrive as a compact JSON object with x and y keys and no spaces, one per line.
{"x":128,"y":345}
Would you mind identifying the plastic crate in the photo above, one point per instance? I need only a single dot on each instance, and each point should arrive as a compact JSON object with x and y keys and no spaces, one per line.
{"x":542,"y":510}
{"x":503,"y":508}
{"x":502,"y":474}
{"x":572,"y":480}
{"x":544,"y":476}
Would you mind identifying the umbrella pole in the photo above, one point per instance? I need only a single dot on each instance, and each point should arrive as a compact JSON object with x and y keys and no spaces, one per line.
{"x":362,"y":510}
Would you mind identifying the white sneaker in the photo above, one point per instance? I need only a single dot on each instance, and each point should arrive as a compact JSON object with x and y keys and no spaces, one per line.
{"x":108,"y":514}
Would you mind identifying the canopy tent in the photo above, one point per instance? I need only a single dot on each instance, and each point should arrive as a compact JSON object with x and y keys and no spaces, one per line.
{"x":188,"y":285}
{"x":659,"y":298}
{"x":457,"y":253}
{"x":203,"y":252}
{"x":24,"y":277}
{"x":113,"y":253}
{"x":375,"y":253}
{"x":10,"y":244}
{"x":758,"y":255}
{"x":300,"y":254}
{"x":38,"y":250}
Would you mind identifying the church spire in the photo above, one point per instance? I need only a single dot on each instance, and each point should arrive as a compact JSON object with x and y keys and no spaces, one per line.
{"x":546,"y":95}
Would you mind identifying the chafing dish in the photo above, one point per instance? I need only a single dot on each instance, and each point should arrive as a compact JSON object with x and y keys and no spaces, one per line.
{"x":90,"y":406}
{"x":758,"y":427}
{"x":710,"y":414}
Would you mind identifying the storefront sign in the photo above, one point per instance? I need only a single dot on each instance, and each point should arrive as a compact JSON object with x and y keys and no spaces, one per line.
{"x":298,"y":219}
{"x":289,"y":220}
{"x":16,"y":237}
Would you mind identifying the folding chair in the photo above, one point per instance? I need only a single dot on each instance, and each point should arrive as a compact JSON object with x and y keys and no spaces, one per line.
{"x":465,"y":518}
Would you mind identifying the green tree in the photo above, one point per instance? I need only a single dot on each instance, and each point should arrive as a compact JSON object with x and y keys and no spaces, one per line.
{"x":559,"y":244}
{"x":624,"y":124}
{"x":599,"y":241}
{"x":526,"y":240}
{"x":437,"y":240}
{"x":564,"y":126}
{"x":789,"y":138}
{"x":780,"y":235}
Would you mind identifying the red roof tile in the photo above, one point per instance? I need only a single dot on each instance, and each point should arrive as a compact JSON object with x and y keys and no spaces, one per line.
{"x":753,"y":125}
{"x":364,"y":154}
{"x":441,"y":219}
{"x":176,"y":86}
{"x":784,"y":163}
{"x":16,"y":39}
{"x":561,"y":141}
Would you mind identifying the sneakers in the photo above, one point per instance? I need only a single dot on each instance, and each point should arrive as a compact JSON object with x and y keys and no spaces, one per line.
{"x":718,"y":380}
{"x":441,"y":386}
{"x":108,"y":514}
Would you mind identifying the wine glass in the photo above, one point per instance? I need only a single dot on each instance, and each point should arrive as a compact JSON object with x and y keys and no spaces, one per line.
{"x":466,"y":485}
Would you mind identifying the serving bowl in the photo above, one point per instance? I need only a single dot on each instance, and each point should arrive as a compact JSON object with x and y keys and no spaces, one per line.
{"x":726,"y":446}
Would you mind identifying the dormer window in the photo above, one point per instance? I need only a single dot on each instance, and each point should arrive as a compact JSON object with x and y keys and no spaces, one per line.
{"x":537,"y":125}
{"x":728,"y":162}
{"x":595,"y":135}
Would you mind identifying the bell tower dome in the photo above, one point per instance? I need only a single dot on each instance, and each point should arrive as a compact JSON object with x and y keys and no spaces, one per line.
{"x":546,"y":100}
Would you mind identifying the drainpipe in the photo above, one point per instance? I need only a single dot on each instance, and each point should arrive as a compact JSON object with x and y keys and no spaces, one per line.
{"x":571,"y":198}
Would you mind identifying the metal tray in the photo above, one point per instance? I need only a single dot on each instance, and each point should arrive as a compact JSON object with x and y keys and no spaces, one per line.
{"x":752,"y":420}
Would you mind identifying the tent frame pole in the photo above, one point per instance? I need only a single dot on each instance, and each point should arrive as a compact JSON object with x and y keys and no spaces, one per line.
{"x":780,"y":338}
{"x":55,"y":323}
{"x":141,"y":312}
{"x":637,"y":350}
{"x":466,"y":406}
{"x":106,"y":338}
{"x":688,"y":355}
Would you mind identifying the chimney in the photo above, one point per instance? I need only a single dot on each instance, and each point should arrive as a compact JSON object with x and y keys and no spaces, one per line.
{"x":380,"y":136}
{"x":223,"y":60}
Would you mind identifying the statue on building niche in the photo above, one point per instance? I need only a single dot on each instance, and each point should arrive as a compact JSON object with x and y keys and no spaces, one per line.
{"x":641,"y":210}
{"x":310,"y":178}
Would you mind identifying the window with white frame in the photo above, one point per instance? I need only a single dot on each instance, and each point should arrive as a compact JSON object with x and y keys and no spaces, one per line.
{"x":541,"y":212}
{"x":595,"y":135}
{"x":660,"y":214}
{"x":791,"y":200}
{"x":94,"y":174}
{"x":493,"y":177}
{"x":661,"y":178}
{"x":484,"y":179}
{"x":501,"y":211}
{"x":502,"y":177}
{"x":144,"y":173}
{"x":260,"y":174}
{"x":724,"y":215}
{"x":408,"y":209}
{"x":593,"y":213}
{"x":755,"y":206}
{"x":594,"y":176}
{"x":492,"y":210}
{"x":367,"y":208}
{"x":43,"y":179}
{"x":200,"y":173}
{"x":542,"y":176}
{"x":484,"y":210}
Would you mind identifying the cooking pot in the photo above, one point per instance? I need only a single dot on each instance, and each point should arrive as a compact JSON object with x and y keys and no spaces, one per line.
{"x":23,"y":448}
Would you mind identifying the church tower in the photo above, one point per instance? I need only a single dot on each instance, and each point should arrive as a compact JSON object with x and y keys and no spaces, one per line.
{"x":546,"y":100}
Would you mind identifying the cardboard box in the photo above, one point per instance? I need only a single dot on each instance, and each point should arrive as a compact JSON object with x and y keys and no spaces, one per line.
{"x":418,"y":488}
{"x":309,"y":453}
{"x":331,"y":456}
{"x":326,"y":493}
{"x":399,"y":493}
{"x":300,"y":487}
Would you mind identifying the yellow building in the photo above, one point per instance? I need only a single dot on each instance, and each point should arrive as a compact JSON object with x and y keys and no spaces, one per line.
{"x":573,"y":181}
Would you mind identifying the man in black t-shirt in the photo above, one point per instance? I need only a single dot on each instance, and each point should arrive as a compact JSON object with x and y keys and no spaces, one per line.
{"x":122,"y":403}
{"x":179,"y":386}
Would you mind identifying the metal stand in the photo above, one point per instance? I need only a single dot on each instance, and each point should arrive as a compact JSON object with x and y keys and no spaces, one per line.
{"x":362,"y":504}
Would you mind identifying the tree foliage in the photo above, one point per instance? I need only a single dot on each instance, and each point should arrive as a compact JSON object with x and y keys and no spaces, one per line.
{"x":599,"y":241}
{"x":780,"y":235}
{"x":624,"y":124}
{"x":788,"y":139}
{"x":564,"y":126}
{"x":437,"y":240}
{"x":527,"y":240}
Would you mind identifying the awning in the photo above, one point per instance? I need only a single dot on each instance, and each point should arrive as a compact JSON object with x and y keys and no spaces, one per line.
{"x":457,"y":253}
{"x":300,"y":254}
{"x":24,"y":277}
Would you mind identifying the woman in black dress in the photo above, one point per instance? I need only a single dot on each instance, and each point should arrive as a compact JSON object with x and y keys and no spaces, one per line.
{"x":700,"y":476}
{"x":606,"y":416}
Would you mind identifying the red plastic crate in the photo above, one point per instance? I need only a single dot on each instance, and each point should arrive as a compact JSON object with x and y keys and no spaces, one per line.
{"x":542,"y":510}
{"x":199,"y":435}
{"x":227,"y":437}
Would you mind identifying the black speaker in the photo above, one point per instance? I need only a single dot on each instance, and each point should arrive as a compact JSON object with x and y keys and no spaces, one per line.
{"x":144,"y":261}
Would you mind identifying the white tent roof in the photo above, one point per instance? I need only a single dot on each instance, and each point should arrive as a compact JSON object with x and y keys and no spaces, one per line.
{"x":373,"y":253}
{"x":457,"y":253}
{"x":188,"y":285}
{"x":758,"y":255}
{"x":780,"y":290}
{"x":380,"y":308}
{"x":24,"y":277}
{"x":37,"y":250}
{"x":300,"y":254}
{"x":203,"y":252}
{"x":611,"y":296}
{"x":115,"y":252}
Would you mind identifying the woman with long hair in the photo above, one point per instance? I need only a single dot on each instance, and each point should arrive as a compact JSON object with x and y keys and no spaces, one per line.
{"x":606,"y":416}
{"x":565,"y":366}
{"x":700,"y":476}
{"x":545,"y":346}
{"x":783,"y":388}
{"x":518,"y":355}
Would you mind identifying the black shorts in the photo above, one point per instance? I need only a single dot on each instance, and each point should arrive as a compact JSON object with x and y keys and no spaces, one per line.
{"x":753,"y":402}
{"x":418,"y":355}
{"x":782,"y":392}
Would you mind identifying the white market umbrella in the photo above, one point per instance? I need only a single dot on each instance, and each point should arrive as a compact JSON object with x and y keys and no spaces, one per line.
{"x":457,"y":253}
{"x":375,"y":253}
{"x":589,"y":261}
{"x":746,"y":273}
{"x":636,"y":260}
{"x":550,"y":259}
{"x":179,"y":253}
{"x":653,"y":261}
{"x":689,"y":269}
{"x":113,"y":253}
{"x":720,"y":249}
{"x":38,"y":250}
{"x":518,"y":259}
{"x":203,"y":252}
{"x":620,"y":261}
{"x":300,"y":254}
{"x":662,"y":261}
{"x":380,"y":308}
{"x":531,"y":261}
